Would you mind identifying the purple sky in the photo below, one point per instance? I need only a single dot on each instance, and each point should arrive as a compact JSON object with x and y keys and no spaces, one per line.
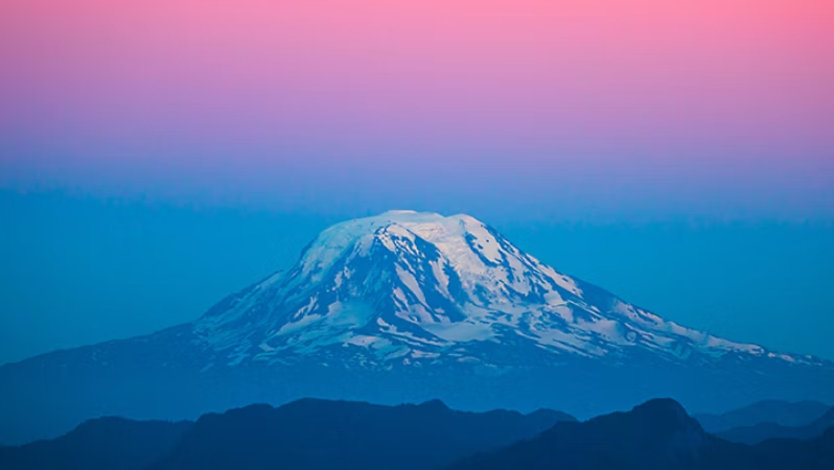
{"x":679,"y":153}
{"x":723,"y":108}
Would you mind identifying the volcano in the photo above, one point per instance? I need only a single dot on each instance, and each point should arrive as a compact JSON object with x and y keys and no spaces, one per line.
{"x":405,"y":306}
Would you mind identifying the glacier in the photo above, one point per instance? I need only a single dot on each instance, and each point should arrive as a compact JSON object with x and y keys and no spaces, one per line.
{"x":405,"y":307}
{"x":410,"y":288}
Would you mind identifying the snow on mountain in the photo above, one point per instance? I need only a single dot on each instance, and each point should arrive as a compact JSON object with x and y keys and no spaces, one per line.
{"x":403,"y":307}
{"x":409,"y":288}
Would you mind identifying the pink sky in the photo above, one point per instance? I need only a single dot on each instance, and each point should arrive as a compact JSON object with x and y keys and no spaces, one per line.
{"x":709,"y":88}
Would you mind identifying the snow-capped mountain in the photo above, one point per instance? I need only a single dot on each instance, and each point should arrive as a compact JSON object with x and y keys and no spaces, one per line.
{"x":409,"y":288}
{"x":401,"y":307}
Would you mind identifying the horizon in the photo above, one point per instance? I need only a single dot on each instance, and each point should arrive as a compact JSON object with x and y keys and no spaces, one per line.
{"x":578,"y":417}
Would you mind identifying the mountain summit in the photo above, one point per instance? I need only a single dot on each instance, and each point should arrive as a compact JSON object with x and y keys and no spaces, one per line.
{"x":405,"y":306}
{"x":410,"y":288}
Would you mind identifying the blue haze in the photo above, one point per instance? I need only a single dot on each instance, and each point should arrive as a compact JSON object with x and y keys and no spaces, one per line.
{"x":80,"y":269}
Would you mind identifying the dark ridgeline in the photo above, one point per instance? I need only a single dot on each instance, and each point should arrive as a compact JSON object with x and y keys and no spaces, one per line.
{"x":306,"y":434}
{"x":783,"y":413}
{"x":103,"y":443}
{"x":318,"y":434}
{"x":656,"y":435}
{"x":769,"y":430}
{"x":315,"y":434}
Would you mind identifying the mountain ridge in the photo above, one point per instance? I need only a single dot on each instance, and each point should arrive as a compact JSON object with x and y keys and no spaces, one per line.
{"x":658,"y":434}
{"x":401,"y":307}
{"x":306,"y":433}
{"x":413,"y":285}
{"x":316,"y":434}
{"x":763,"y":431}
{"x":784,"y":413}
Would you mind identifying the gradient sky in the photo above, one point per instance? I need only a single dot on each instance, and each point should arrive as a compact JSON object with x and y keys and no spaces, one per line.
{"x":691,"y":141}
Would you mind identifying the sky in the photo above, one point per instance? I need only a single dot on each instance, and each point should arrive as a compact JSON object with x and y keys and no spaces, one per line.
{"x":156,"y":155}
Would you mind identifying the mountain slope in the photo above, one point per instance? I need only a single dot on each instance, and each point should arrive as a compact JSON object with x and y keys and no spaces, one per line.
{"x":655,"y":435}
{"x":317,"y":434}
{"x":783,"y":413}
{"x":304,"y":434}
{"x":104,"y":443}
{"x":760,"y":432}
{"x":405,"y":306}
{"x":408,"y":288}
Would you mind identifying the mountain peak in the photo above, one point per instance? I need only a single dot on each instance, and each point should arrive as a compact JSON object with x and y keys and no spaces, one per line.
{"x":661,"y":404}
{"x":434,"y":404}
{"x":396,"y":230}
{"x":665,"y":410}
{"x":429,"y":226}
{"x":414,"y":288}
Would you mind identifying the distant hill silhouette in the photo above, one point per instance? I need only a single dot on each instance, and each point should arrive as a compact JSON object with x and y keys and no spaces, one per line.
{"x":318,"y":434}
{"x":306,"y":434}
{"x":656,"y":435}
{"x":764,"y":431}
{"x":779,"y":412}
{"x":314,"y":434}
{"x":104,"y":443}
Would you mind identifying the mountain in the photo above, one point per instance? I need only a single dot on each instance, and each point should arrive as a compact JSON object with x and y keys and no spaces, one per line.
{"x":779,"y":412}
{"x":655,"y":435}
{"x":103,"y":443}
{"x":407,"y":288}
{"x":769,"y":430}
{"x":316,"y":434}
{"x":405,"y":306}
{"x":307,"y":434}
